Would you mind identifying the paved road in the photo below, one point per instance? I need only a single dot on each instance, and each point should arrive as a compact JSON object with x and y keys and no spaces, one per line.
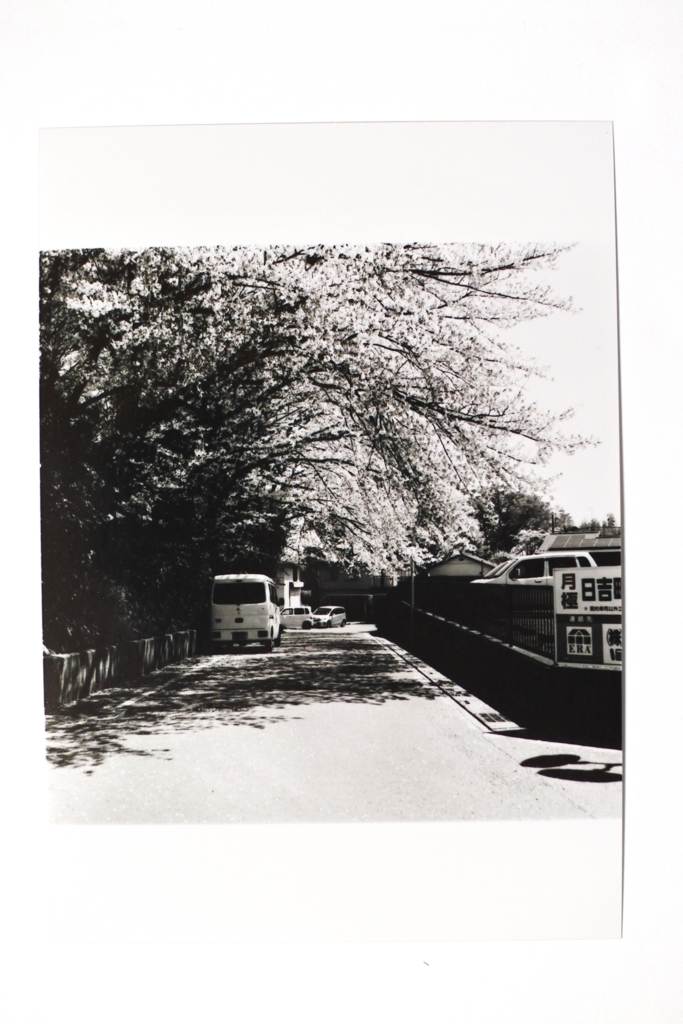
{"x":333,"y":727}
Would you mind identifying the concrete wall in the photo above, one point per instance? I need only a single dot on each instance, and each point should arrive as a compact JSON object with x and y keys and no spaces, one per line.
{"x":289,"y":592}
{"x":70,"y":677}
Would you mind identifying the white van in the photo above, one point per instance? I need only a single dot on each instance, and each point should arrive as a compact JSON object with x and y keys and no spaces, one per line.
{"x":297,"y":618}
{"x":244,"y":610}
{"x":328,"y":616}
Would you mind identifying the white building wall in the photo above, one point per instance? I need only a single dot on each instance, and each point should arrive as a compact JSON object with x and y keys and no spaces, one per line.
{"x":288,"y":589}
{"x":456,"y":567}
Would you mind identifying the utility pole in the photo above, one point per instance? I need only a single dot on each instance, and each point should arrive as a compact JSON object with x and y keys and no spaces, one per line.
{"x":412,"y":599}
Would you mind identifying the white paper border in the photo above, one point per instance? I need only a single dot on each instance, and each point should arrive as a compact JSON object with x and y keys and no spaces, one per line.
{"x":248,"y":184}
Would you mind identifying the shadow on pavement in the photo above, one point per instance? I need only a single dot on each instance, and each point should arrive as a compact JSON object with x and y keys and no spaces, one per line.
{"x":554,"y":704}
{"x":251,"y":688}
{"x":553,"y":766}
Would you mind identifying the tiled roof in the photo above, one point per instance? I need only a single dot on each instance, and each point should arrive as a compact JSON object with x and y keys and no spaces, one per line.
{"x":459,"y":556}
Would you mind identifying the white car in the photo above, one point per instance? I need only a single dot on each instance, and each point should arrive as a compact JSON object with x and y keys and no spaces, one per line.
{"x":296,"y":618}
{"x":530,"y":570}
{"x":329,"y":615}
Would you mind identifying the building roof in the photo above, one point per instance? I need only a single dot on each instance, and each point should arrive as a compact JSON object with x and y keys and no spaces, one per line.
{"x":256,"y":577}
{"x":463,"y":556}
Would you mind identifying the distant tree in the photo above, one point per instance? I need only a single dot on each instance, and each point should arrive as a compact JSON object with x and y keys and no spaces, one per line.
{"x":203,"y":408}
{"x":563,"y":522}
{"x":608,"y":525}
{"x":510,"y":520}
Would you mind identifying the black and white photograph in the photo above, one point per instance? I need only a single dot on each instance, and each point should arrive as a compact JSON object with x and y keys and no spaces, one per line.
{"x":312,"y":549}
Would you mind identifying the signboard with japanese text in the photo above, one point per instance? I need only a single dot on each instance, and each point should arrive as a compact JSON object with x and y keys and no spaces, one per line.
{"x":588,"y":626}
{"x":588,"y":591}
{"x":612,"y":643}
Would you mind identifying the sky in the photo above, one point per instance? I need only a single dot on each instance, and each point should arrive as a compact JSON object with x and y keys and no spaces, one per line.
{"x":579,"y":350}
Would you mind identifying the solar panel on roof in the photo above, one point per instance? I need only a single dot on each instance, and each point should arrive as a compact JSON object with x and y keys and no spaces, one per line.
{"x":565,"y":540}
{"x":576,"y":541}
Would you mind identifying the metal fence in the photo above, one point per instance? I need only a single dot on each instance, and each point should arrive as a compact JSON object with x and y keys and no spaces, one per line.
{"x":532,"y":619}
{"x":516,"y":615}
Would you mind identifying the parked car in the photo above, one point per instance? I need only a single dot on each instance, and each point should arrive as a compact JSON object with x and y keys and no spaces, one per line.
{"x":297,"y":618}
{"x":244,"y":610}
{"x":531,"y":570}
{"x":328,"y":616}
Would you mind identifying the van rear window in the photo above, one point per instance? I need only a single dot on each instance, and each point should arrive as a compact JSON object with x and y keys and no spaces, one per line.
{"x":531,"y":569}
{"x":239,"y":592}
{"x":606,"y":557}
{"x":562,"y":562}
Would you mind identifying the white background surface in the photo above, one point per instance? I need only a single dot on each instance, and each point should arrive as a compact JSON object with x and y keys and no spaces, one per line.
{"x":79,"y":63}
{"x":427,"y":882}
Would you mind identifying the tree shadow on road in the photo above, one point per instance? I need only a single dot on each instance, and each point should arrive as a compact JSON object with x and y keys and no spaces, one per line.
{"x":249,"y":688}
{"x":556,"y":766}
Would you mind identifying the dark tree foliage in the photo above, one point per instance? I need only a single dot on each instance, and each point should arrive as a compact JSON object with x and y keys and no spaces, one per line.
{"x":202,"y":409}
{"x":505,"y":516}
{"x":607,"y":527}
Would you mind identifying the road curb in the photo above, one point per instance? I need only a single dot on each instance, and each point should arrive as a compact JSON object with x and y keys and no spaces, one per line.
{"x":487,"y":716}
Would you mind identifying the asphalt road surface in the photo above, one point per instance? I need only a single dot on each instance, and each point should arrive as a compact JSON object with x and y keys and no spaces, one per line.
{"x":335,"y":726}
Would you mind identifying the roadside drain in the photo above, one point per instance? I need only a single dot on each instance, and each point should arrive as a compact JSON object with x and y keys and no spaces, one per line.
{"x":484,"y":713}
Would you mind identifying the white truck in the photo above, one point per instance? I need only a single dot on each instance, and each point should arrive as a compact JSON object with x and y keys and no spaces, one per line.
{"x":537,"y":569}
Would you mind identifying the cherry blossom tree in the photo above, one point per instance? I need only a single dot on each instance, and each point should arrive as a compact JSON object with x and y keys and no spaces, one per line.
{"x":202,"y":409}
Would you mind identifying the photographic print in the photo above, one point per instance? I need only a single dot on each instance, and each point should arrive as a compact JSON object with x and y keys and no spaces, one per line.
{"x":299,"y":485}
{"x":331,"y":531}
